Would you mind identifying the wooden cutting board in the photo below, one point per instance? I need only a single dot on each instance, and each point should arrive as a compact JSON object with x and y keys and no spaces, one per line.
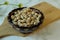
{"x":51,"y":14}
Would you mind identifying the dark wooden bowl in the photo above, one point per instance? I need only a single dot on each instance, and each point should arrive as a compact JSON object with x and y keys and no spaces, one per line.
{"x":25,"y":30}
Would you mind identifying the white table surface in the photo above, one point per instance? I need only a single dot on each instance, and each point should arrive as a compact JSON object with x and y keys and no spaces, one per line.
{"x":51,"y":32}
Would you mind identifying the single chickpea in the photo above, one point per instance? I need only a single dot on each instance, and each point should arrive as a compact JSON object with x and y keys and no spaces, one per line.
{"x":24,"y":10}
{"x":18,"y":17}
{"x":35,"y":23}
{"x":25,"y":25}
{"x":15,"y":19}
{"x":15,"y":13}
{"x":32,"y":18}
{"x":25,"y":17}
{"x":18,"y":11}
{"x":36,"y":14}
{"x":33,"y":12}
{"x":29,"y":10}
{"x":32,"y":22}
{"x":28,"y":20}
{"x":22,"y":17}
{"x":15,"y":22}
{"x":28,"y":23}
{"x":12,"y":17}
{"x":39,"y":15}
{"x":21,"y":24}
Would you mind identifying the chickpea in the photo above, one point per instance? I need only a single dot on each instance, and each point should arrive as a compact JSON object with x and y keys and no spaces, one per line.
{"x":24,"y":24}
{"x":28,"y":20}
{"x":24,"y":10}
{"x":37,"y":21}
{"x":32,"y":18}
{"x":18,"y":11}
{"x":29,"y":10}
{"x":25,"y":17}
{"x":18,"y":17}
{"x":32,"y":22}
{"x":22,"y":21}
{"x":39,"y":15}
{"x":18,"y":20}
{"x":33,"y":12}
{"x":22,"y":17}
{"x":15,"y":12}
{"x":36,"y":14}
{"x":29,"y":15}
{"x":15,"y":19}
{"x":28,"y":23}
{"x":15,"y":23}
{"x":21,"y":24}
{"x":12,"y":17}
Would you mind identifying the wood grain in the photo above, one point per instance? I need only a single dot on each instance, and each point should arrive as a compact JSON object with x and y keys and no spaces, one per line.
{"x":51,"y":14}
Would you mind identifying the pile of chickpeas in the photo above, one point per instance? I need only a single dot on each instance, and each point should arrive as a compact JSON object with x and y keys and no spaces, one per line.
{"x":25,"y":17}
